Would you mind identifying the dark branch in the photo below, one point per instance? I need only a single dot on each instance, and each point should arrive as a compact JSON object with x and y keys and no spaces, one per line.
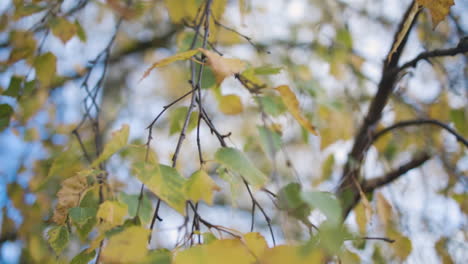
{"x":372,"y":184}
{"x":416,"y":122}
{"x":433,"y":54}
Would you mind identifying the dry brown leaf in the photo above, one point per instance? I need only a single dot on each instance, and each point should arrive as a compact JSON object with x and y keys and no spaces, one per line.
{"x":69,"y":196}
{"x":439,"y":9}
{"x":222,"y":67}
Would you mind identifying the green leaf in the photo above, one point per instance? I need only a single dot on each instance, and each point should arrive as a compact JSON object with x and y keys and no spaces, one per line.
{"x":267,"y":70}
{"x":119,"y":140}
{"x":84,"y":257}
{"x":81,"y":215}
{"x":272,"y":105}
{"x":290,"y":200}
{"x":270,"y":140}
{"x":131,"y":200}
{"x":165,"y":182}
{"x":200,"y":186}
{"x":24,"y":10}
{"x":15,"y":86}
{"x":326,"y":203}
{"x":344,"y":38}
{"x":58,"y":238}
{"x":62,"y":28}
{"x":45,"y":66}
{"x":235,"y":160}
{"x":158,"y":256}
{"x":177,"y":119}
{"x":80,"y":32}
{"x":6,"y":111}
{"x":459,"y":119}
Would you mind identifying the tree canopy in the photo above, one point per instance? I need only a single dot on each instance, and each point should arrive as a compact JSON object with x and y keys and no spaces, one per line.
{"x":242,"y":131}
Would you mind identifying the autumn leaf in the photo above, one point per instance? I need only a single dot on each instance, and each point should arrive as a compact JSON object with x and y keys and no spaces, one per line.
{"x":69,"y":196}
{"x":112,"y":213}
{"x":62,"y":29}
{"x":46,"y":67}
{"x":290,"y":254}
{"x":200,"y":186}
{"x":292,"y":104}
{"x":235,"y":160}
{"x":118,"y":141}
{"x":226,"y":251}
{"x":177,"y":57}
{"x":58,"y":238}
{"x":181,"y":9}
{"x":256,"y":243}
{"x":230,"y":104}
{"x":165,"y":182}
{"x":128,"y":246}
{"x":439,"y":9}
{"x":384,"y":209}
{"x":222,"y":67}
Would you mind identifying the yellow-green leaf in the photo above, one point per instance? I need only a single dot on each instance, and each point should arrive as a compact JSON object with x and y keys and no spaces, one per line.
{"x":58,"y":238}
{"x":230,"y":104}
{"x":439,"y":9}
{"x":384,"y":209}
{"x":165,"y":182}
{"x":402,"y":246}
{"x":441,"y":249}
{"x":291,"y":254}
{"x":182,"y":9}
{"x":112,"y":213}
{"x":292,"y":104}
{"x":24,"y":46}
{"x":256,"y":243}
{"x":236,"y":161}
{"x":63,"y":29}
{"x":200,"y":186}
{"x":129,"y":246}
{"x":118,"y":140}
{"x":46,"y":67}
{"x":226,"y":251}
{"x":177,"y":57}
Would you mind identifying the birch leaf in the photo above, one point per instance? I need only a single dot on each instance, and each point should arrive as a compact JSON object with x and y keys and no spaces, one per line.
{"x":292,"y":104}
{"x":177,"y":57}
{"x":200,"y":186}
{"x":119,"y":140}
{"x":129,"y":246}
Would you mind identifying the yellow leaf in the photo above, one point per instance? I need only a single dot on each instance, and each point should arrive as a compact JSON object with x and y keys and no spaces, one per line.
{"x":256,"y":243}
{"x":222,"y":67}
{"x":129,"y":246}
{"x":24,"y":46}
{"x":179,"y":56}
{"x":290,"y":254}
{"x":227,"y":251}
{"x":118,"y":140}
{"x":63,"y":29}
{"x":200,"y":186}
{"x":69,"y":196}
{"x":361,"y":218}
{"x":112,"y":213}
{"x":230,"y":104}
{"x":384,"y":209}
{"x":402,"y":246}
{"x":182,"y":9}
{"x":292,"y":104}
{"x":439,"y":9}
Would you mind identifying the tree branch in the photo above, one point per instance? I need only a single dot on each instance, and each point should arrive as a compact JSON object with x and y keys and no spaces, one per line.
{"x":372,"y":184}
{"x":347,"y":190}
{"x":416,"y":122}
{"x":461,"y":48}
